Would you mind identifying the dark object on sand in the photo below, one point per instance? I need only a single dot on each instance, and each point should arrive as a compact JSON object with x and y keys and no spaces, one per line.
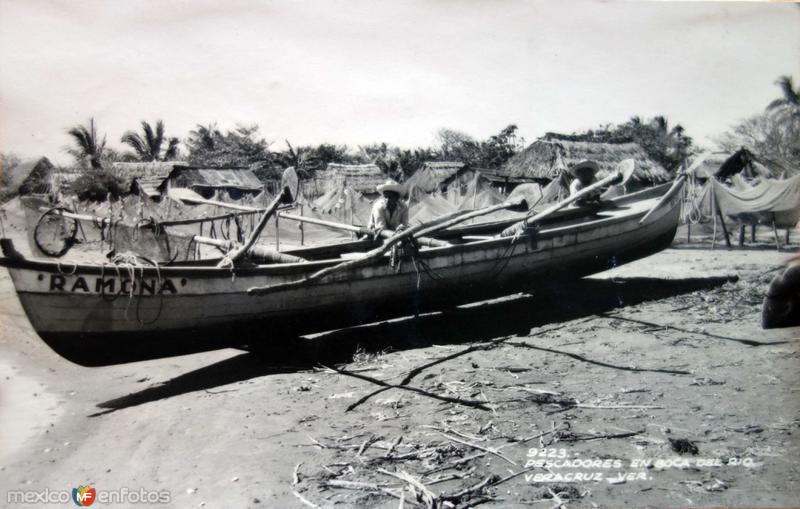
{"x":683,"y":446}
{"x":782,"y":303}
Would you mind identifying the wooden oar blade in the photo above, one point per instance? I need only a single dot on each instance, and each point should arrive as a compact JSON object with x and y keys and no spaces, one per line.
{"x":524,"y":197}
{"x":626,"y":168}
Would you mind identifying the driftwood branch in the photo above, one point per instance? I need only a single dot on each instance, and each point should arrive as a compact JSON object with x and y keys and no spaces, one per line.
{"x":600,"y":363}
{"x":489,"y":450}
{"x":464,"y":402}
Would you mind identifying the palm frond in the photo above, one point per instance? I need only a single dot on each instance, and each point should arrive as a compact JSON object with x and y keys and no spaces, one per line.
{"x":172,"y":149}
{"x":137,"y":143}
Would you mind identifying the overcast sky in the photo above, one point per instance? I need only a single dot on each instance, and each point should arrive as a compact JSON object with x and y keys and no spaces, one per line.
{"x":358,"y":71}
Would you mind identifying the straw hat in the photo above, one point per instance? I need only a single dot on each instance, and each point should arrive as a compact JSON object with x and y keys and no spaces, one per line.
{"x":584,"y":165}
{"x":392,"y":185}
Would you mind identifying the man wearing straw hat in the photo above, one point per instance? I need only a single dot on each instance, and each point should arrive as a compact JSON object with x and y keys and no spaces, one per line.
{"x":389,"y":211}
{"x":584,"y":174}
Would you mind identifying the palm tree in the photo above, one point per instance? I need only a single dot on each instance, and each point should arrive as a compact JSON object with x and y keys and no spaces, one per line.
{"x":788,"y":106}
{"x":148,"y":147}
{"x":87,"y":146}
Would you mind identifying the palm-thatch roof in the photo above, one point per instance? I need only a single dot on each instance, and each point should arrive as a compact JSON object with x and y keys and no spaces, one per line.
{"x":212,"y":179}
{"x":546,"y":159}
{"x":147,"y":176}
{"x":360,"y":177}
{"x":432,"y":174}
{"x":36,"y":179}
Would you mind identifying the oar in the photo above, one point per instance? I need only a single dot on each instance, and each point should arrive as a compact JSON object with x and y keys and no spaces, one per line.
{"x":288,"y":192}
{"x":676,"y":187}
{"x":386,"y":234}
{"x":368,"y":257}
{"x":415,"y":231}
{"x":622,"y":173}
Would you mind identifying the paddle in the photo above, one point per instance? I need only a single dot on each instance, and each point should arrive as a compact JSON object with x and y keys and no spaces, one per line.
{"x":415,"y":231}
{"x":368,"y":257}
{"x":385,"y":233}
{"x":622,"y":173}
{"x":289,"y":188}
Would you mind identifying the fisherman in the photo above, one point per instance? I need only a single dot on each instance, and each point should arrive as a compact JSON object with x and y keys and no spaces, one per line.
{"x":584,"y":173}
{"x":389,"y":212}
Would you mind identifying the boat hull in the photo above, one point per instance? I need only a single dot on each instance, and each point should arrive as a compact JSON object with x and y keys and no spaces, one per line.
{"x":95,"y":315}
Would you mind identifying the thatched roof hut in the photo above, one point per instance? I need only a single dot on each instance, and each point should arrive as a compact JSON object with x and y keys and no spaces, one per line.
{"x":432,"y":175}
{"x":360,"y":177}
{"x":145,"y":178}
{"x":37,"y":176}
{"x":545,"y":159}
{"x":208,"y":182}
{"x":152,"y":178}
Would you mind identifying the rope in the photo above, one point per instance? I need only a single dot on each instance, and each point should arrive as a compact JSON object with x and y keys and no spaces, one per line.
{"x":131,"y":262}
{"x":69,"y":241}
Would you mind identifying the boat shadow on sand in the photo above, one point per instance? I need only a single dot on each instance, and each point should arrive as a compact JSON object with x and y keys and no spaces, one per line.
{"x":462,"y":325}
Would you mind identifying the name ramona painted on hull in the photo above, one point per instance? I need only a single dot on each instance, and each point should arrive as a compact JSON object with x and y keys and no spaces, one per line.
{"x":110,"y":285}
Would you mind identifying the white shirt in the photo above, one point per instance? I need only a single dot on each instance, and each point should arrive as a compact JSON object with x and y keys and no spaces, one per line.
{"x":381,"y":218}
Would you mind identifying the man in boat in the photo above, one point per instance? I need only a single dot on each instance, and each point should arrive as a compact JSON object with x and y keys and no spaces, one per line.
{"x":584,"y":175}
{"x":389,"y":212}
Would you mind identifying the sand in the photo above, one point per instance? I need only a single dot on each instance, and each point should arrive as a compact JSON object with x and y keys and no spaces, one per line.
{"x":607,"y":371}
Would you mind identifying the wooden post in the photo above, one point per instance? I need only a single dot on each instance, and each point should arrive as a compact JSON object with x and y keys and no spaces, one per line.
{"x":786,"y":237}
{"x":302,"y":228}
{"x":277,"y":232}
{"x":753,"y":233}
{"x":688,"y":232}
{"x":775,"y":231}
{"x":714,"y":234}
{"x":741,"y":234}
{"x":722,"y":222}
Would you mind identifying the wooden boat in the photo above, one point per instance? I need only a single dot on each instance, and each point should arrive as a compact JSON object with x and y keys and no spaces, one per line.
{"x":104,"y":314}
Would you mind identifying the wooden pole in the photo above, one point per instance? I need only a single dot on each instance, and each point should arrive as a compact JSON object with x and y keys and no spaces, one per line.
{"x":753,"y":233}
{"x":722,"y":223}
{"x":786,"y":237}
{"x":714,"y":234}
{"x":302,"y":228}
{"x":741,"y":234}
{"x":775,"y":231}
{"x":277,"y":232}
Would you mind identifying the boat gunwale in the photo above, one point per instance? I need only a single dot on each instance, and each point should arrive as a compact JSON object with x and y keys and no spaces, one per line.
{"x":213,"y":271}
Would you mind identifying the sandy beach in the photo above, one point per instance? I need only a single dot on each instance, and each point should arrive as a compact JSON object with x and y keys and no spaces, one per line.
{"x":664,"y":351}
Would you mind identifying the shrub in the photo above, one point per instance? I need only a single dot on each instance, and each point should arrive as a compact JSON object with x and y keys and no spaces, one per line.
{"x":97,"y":186}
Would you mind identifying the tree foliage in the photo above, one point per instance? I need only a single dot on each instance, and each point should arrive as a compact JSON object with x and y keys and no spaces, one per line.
{"x":242,"y":146}
{"x":149,"y":146}
{"x":668,"y":146}
{"x":490,"y":153}
{"x":88,"y":149}
{"x":773,"y":134}
{"x":8,"y":166}
{"x":97,"y":186}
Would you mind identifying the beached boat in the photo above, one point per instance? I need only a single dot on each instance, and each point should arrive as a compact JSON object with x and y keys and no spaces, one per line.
{"x":96,"y":314}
